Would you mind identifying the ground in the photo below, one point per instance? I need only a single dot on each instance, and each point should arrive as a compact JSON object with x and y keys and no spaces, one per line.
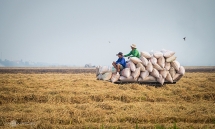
{"x":56,"y":100}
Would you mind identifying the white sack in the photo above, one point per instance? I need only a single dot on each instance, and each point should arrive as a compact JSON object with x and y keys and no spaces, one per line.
{"x":144,"y":61}
{"x":170,"y":59}
{"x":145,"y":54}
{"x":131,"y":65}
{"x":153,"y":60}
{"x":145,"y":74}
{"x":135,"y":60}
{"x":168,"y":54}
{"x":158,"y":54}
{"x":99,"y":77}
{"x":156,"y":66}
{"x":126,"y":72}
{"x":155,"y":73}
{"x":106,"y":76}
{"x":115,"y":77}
{"x":97,"y":71}
{"x":142,"y":68}
{"x":147,"y":79}
{"x":161,"y":62}
{"x":124,"y":79}
{"x":167,"y":66}
{"x":105,"y":69}
{"x":163,"y":73}
{"x":136,"y":73}
{"x":176,"y":65}
{"x":177,"y":77}
{"x":163,"y":50}
{"x":169,"y":78}
{"x":161,"y":79}
{"x":172,"y":72}
{"x":181,"y":70}
{"x":149,"y":67}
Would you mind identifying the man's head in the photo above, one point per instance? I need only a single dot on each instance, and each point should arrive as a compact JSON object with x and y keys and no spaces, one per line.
{"x":133,"y":46}
{"x":120,"y":54}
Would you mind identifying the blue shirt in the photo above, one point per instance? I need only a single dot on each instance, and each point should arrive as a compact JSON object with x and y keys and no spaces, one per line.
{"x":121,"y":61}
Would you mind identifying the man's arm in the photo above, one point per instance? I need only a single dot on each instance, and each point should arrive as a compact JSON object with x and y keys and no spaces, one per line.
{"x":127,"y":54}
{"x":117,"y":61}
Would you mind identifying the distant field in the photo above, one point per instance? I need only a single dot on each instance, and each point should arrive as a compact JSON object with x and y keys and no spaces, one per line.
{"x":70,"y":70}
{"x":56,"y":100}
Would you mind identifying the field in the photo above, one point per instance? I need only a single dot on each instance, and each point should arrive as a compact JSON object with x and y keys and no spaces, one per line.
{"x":78,"y":100}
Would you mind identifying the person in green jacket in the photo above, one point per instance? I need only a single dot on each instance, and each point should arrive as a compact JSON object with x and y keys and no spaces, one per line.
{"x":134,"y":52}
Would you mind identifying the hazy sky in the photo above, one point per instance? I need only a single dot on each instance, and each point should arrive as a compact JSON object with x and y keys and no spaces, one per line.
{"x":77,"y":32}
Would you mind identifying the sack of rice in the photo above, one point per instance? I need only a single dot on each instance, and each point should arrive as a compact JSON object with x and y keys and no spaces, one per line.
{"x":160,"y":79}
{"x":167,"y":66}
{"x":99,"y":77}
{"x":113,"y":70}
{"x":156,"y":66}
{"x":97,"y":71}
{"x":126,"y":72}
{"x":105,"y":69}
{"x":169,"y":78}
{"x":136,"y":73}
{"x":124,"y":79}
{"x":155,"y":73}
{"x":158,"y":54}
{"x":163,"y":50}
{"x":144,"y":61}
{"x":181,"y":70}
{"x":106,"y":76}
{"x":177,"y":77}
{"x":161,"y":62}
{"x":135,"y":60}
{"x":115,"y":77}
{"x":172,"y":72}
{"x":153,"y":60}
{"x":163,"y":73}
{"x":142,"y":68}
{"x":176,"y":65}
{"x":147,"y":79}
{"x":145,"y":54}
{"x":131,"y":65}
{"x":168,"y":54}
{"x":149,"y":67}
{"x":144,"y":74}
{"x":170,"y":59}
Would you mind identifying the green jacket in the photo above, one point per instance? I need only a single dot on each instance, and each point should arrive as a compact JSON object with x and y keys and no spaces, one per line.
{"x":133,"y":53}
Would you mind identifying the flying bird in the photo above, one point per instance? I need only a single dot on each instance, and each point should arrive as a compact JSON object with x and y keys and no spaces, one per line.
{"x":109,"y":41}
{"x":184,"y":38}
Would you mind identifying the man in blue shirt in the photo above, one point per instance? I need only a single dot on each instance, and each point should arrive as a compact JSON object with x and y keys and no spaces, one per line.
{"x":120,"y":63}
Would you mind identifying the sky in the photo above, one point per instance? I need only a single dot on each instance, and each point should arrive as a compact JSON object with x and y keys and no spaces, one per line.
{"x":77,"y":32}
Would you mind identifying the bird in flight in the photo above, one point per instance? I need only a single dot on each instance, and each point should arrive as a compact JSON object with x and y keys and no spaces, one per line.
{"x":184,"y":38}
{"x":109,"y":41}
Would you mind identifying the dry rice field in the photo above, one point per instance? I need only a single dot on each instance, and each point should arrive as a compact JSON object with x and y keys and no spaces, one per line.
{"x":56,"y":100}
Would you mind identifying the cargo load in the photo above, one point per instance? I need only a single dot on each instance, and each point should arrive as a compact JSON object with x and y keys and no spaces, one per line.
{"x":160,"y":66}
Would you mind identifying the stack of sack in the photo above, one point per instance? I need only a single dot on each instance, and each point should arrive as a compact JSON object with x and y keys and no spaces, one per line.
{"x":160,"y":66}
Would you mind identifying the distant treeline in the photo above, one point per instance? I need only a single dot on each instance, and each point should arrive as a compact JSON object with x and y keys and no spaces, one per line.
{"x":21,"y":63}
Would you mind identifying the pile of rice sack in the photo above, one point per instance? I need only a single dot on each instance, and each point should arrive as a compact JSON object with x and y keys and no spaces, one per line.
{"x":159,"y":66}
